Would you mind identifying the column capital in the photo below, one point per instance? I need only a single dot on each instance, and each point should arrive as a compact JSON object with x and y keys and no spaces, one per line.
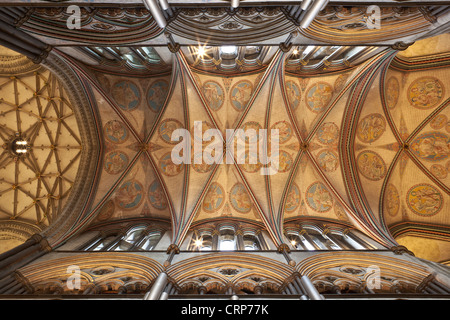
{"x":401,"y":249}
{"x":173,"y":248}
{"x":283,"y":248}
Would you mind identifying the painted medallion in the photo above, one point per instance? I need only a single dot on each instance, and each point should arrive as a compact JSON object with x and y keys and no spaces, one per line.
{"x":318,"y":97}
{"x":439,"y":122}
{"x":293,"y":94}
{"x":292,"y":199}
{"x":156,"y":196}
{"x":318,"y":197}
{"x":328,"y":160}
{"x":214,"y":94}
{"x":115,"y":162}
{"x":126,"y":94}
{"x":115,"y":132}
{"x":328,"y":133}
{"x":425,"y":92}
{"x":241,"y":93}
{"x":106,"y":211}
{"x":167,"y":167}
{"x":371,"y":127}
{"x":391,"y":203}
{"x":214,"y":198}
{"x":285,"y":131}
{"x":392,"y":92}
{"x":371,"y":165}
{"x":439,"y":171}
{"x":167,"y":127}
{"x":156,"y":94}
{"x":239,"y":198}
{"x":129,"y":195}
{"x":431,"y":146}
{"x":424,"y":200}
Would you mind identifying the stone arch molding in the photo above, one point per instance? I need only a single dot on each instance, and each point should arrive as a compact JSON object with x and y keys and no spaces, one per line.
{"x":85,"y":181}
{"x":354,"y":272}
{"x":216,"y":273}
{"x":14,"y":66}
{"x":98,"y":273}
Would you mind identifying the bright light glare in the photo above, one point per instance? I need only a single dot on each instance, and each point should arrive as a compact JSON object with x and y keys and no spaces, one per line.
{"x":227,"y":245}
{"x":228,"y":49}
{"x":308,"y":49}
{"x":201,"y":51}
{"x":198,"y":242}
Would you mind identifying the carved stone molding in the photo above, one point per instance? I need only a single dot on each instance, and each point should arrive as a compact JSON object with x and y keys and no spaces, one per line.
{"x":16,"y":65}
{"x":17,"y":230}
{"x":222,"y":25}
{"x":98,"y":25}
{"x":90,"y":153}
{"x":401,"y":250}
{"x":401,"y":46}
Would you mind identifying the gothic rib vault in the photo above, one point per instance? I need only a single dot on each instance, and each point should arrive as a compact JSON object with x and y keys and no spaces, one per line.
{"x":359,"y":147}
{"x":366,"y":146}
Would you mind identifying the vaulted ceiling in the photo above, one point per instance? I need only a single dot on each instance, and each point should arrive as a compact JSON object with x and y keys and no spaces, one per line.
{"x":366,"y":147}
{"x":364,"y":131}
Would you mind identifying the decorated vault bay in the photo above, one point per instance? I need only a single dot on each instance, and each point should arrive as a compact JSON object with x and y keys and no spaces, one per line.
{"x":88,"y":187}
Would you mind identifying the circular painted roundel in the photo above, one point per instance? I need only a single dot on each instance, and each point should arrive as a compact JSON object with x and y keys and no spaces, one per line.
{"x":371,"y":127}
{"x":126,"y":94}
{"x":214,"y":94}
{"x":214,"y":198}
{"x":425,"y":92}
{"x":318,"y":197}
{"x":391,"y":203}
{"x":371,"y":165}
{"x":115,"y":162}
{"x":156,"y":196}
{"x":115,"y":132}
{"x":392,"y":92}
{"x":424,"y":200}
{"x":129,"y":195}
{"x":293,"y":93}
{"x":241,"y":93}
{"x":292,"y":199}
{"x":239,"y":198}
{"x":318,"y":96}
{"x":156,"y":94}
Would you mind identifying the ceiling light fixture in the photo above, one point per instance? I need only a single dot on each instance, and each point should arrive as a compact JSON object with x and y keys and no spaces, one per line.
{"x":19,"y":146}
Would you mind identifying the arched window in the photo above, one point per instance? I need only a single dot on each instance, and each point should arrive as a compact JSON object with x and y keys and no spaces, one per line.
{"x":251,"y":242}
{"x":101,"y":243}
{"x":202,"y":241}
{"x":227,"y":239}
{"x":131,"y":239}
{"x":150,"y":241}
{"x":138,"y":238}
{"x":311,"y":237}
{"x":299,"y":242}
{"x":315,"y":238}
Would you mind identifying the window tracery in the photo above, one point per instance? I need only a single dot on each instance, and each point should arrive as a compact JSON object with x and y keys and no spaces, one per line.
{"x":137,"y":238}
{"x":314,"y":237}
{"x":227,"y":237}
